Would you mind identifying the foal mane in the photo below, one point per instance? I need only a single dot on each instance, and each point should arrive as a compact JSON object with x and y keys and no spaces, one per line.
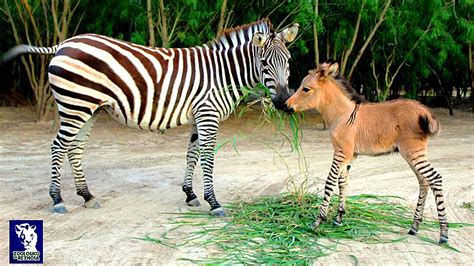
{"x":341,"y":82}
{"x":348,"y":90}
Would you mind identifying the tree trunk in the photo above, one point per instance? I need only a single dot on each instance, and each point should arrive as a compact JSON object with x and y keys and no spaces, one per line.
{"x":220,"y":27}
{"x":348,"y":52}
{"x":34,"y":18}
{"x":315,"y":33}
{"x":371,"y":35}
{"x":164,"y":26}
{"x":471,"y":68}
{"x":151,"y":28}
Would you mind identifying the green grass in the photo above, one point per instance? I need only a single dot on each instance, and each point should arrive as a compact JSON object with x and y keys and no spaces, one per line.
{"x":277,"y":229}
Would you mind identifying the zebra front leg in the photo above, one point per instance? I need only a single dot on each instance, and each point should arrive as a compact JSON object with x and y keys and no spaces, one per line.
{"x":343,"y":181}
{"x":334,"y":173}
{"x":207,"y":133}
{"x":192,"y":157}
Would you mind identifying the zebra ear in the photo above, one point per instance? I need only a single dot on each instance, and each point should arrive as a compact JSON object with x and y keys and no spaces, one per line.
{"x":289,"y":34}
{"x":259,"y":38}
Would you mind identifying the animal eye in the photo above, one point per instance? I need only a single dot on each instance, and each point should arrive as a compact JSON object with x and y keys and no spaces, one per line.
{"x":305,"y":89}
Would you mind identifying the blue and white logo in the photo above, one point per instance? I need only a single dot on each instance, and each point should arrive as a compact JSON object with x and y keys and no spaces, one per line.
{"x":26,"y":241}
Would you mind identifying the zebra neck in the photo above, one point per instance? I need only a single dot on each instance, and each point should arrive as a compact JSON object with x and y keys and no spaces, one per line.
{"x":236,"y":66}
{"x":228,"y":71}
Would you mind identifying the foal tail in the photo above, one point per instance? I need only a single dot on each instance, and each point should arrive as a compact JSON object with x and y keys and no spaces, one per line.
{"x":428,"y":124}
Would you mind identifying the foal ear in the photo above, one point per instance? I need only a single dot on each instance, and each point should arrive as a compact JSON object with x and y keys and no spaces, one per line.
{"x":289,"y":34}
{"x":259,"y":38}
{"x":332,"y":70}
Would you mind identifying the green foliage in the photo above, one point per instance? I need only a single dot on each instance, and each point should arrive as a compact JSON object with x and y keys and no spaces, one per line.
{"x":419,"y":45}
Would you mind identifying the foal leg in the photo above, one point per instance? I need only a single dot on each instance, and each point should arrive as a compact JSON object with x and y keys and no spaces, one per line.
{"x":343,"y":181}
{"x":192,"y":157}
{"x":425,"y":171}
{"x":338,"y":161}
{"x":74,"y":154}
{"x":418,"y":218}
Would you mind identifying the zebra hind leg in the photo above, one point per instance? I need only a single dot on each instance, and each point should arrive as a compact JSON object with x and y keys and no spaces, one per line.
{"x":192,"y":157}
{"x":75,"y":153}
{"x":68,"y":130}
{"x":58,"y":152}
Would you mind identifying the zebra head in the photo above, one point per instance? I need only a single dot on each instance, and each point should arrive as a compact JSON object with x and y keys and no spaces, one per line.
{"x":273,"y":63}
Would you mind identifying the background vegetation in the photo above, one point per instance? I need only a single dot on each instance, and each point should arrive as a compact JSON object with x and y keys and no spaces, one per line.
{"x":387,"y":48}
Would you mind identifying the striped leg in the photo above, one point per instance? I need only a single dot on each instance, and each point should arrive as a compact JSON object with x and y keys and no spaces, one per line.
{"x":207,"y":125}
{"x":425,"y":170}
{"x":74,"y":153}
{"x":68,"y":130}
{"x":192,"y":157}
{"x":343,"y":181}
{"x":418,"y":218}
{"x":334,"y":173}
{"x":58,"y":151}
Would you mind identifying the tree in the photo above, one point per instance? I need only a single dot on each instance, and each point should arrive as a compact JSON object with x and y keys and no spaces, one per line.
{"x":40,"y":23}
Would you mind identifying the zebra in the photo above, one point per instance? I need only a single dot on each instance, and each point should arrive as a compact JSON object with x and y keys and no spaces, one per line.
{"x":156,"y":89}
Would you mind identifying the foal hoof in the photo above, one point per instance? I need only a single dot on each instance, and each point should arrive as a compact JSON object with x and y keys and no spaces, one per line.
{"x":443,"y":240}
{"x":315,"y":225}
{"x":412,"y":232}
{"x":194,"y":203}
{"x":59,"y":208}
{"x":92,"y":204}
{"x":218,"y":212}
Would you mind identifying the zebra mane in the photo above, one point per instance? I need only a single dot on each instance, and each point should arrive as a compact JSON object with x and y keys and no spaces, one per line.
{"x":241,"y":34}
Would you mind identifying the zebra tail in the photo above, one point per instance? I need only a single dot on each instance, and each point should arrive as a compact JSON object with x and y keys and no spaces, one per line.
{"x":26,"y":49}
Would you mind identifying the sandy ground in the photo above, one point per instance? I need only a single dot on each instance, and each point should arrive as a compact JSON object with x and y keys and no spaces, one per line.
{"x":137,"y":175}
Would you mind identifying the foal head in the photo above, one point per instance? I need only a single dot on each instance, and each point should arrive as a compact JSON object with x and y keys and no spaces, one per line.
{"x":319,"y":87}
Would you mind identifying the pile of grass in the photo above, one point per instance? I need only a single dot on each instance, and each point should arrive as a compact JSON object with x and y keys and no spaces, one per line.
{"x":277,"y":229}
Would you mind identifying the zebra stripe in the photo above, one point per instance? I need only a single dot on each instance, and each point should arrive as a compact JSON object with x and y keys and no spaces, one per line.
{"x":159,"y":88}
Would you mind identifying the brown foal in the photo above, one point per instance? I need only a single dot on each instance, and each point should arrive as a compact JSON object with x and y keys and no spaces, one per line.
{"x":363,"y":128}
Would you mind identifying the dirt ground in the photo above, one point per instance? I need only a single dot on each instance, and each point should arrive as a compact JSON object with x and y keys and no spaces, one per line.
{"x":137,"y":177}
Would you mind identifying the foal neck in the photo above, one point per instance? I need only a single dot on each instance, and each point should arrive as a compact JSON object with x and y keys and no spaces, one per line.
{"x":335,"y":105}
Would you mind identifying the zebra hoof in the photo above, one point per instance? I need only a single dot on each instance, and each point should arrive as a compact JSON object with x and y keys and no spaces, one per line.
{"x":194,"y":203}
{"x":59,"y":208}
{"x":336,"y":223}
{"x":92,"y":204}
{"x":218,"y":212}
{"x":412,"y":232}
{"x":443,"y":240}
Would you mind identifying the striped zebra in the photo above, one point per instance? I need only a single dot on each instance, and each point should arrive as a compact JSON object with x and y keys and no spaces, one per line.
{"x":156,"y":89}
